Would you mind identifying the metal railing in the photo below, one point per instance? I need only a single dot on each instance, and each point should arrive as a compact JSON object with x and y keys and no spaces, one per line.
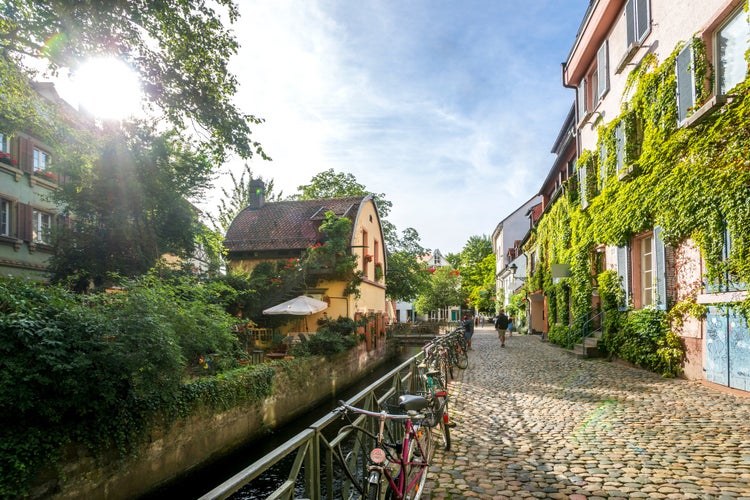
{"x":585,"y":329}
{"x":314,"y":464}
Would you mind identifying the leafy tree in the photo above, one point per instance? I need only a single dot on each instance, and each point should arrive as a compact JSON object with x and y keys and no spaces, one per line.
{"x":130,"y":208}
{"x":477,"y":266}
{"x":406,"y":275}
{"x":235,"y":200}
{"x":444,"y":291}
{"x":330,"y":184}
{"x":180,"y":49}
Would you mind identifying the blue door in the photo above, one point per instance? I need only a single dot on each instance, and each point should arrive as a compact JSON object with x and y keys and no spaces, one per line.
{"x":727,"y":348}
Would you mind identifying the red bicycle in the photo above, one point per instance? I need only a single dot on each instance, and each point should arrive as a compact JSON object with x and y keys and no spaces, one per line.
{"x":399,"y":451}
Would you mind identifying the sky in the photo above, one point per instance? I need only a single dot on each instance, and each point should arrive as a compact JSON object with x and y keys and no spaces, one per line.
{"x":448,"y":109}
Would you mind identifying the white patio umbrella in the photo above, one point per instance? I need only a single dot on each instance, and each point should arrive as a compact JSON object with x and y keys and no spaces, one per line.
{"x":298,"y":306}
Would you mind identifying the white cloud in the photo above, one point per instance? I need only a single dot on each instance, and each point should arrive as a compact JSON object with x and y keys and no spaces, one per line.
{"x":437,"y":105}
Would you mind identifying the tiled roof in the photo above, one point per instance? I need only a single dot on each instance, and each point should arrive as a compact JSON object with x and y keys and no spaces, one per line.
{"x":286,"y":225}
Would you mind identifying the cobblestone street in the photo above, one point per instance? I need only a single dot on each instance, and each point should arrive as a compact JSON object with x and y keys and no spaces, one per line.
{"x":534,"y":421}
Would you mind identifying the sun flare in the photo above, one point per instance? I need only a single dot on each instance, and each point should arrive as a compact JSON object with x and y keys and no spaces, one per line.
{"x":107,"y":88}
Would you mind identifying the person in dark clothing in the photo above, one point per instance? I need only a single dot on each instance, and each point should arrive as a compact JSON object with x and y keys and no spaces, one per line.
{"x":468,"y":324}
{"x":501,"y":325}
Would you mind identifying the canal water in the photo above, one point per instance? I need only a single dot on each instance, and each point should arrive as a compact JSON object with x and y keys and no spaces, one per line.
{"x":196,"y":484}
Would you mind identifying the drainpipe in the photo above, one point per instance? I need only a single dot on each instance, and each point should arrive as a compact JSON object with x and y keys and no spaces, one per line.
{"x":563,"y":67}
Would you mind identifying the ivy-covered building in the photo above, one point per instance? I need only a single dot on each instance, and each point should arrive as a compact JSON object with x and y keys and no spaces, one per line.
{"x":652,"y":215}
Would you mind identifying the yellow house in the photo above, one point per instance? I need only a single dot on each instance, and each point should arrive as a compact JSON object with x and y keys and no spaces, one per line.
{"x":276,"y":231}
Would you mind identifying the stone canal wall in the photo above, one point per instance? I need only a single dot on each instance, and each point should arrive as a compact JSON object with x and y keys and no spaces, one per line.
{"x":201,"y":439}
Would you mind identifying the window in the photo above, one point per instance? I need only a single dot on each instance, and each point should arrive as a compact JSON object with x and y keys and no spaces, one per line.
{"x":685,"y":83}
{"x":3,"y":143}
{"x":595,"y":84}
{"x":638,"y":18}
{"x":41,"y":227}
{"x":42,"y":160}
{"x":365,"y":248}
{"x":5,"y":207}
{"x":731,"y":44}
{"x":647,"y":271}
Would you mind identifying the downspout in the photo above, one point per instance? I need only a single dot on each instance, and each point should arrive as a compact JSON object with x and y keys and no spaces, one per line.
{"x":563,"y":67}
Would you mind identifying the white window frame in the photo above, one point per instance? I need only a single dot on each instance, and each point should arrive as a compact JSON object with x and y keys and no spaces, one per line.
{"x":648,"y":275}
{"x":42,"y":160}
{"x":739,"y":46}
{"x":4,"y":143}
{"x":638,"y":18}
{"x":5,"y":210}
{"x":41,"y":226}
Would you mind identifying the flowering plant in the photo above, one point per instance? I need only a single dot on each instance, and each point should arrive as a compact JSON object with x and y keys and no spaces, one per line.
{"x":7,"y":158}
{"x":48,"y":175}
{"x":368,"y":257}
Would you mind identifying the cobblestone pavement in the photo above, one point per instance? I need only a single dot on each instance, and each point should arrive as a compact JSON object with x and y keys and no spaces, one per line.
{"x":534,"y":421}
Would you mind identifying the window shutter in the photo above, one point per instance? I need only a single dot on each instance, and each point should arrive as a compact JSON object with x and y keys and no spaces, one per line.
{"x":582,"y":184}
{"x":24,"y":226}
{"x":660,"y":269}
{"x":685,"y":83}
{"x":624,"y":273}
{"x":25,"y":155}
{"x":642,"y":18}
{"x":602,"y":163}
{"x":620,"y":145}
{"x":630,"y":21}
{"x":602,"y":70}
{"x":582,"y":104}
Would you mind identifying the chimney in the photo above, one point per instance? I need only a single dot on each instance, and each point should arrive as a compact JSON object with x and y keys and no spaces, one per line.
{"x":257,"y":194}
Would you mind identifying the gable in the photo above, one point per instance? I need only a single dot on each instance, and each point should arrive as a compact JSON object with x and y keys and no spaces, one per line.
{"x":286,"y":225}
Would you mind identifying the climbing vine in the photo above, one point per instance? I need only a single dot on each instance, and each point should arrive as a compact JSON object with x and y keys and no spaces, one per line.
{"x":693,"y":182}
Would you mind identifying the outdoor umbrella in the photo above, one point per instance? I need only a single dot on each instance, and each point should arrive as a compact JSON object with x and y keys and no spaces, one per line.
{"x":298,"y":306}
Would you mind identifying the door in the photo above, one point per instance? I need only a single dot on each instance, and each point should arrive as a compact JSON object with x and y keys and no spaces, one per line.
{"x":727,"y":348}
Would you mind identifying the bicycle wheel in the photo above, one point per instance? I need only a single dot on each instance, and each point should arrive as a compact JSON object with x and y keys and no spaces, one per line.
{"x":462,"y":357}
{"x":375,"y":489}
{"x":443,"y":433}
{"x":419,"y":455}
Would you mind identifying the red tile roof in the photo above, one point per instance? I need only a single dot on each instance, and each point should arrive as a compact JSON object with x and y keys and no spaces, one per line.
{"x":286,"y":225}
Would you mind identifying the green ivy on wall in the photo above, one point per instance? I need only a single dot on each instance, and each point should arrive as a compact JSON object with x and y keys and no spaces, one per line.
{"x":694,"y":182}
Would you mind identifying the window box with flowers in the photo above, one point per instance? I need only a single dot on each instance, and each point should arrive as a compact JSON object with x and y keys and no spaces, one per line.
{"x":7,"y":159}
{"x":50,"y":176}
{"x":378,"y":271}
{"x":368,"y":257}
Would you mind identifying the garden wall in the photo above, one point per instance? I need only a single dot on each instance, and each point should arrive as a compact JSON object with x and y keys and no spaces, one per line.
{"x":201,"y":439}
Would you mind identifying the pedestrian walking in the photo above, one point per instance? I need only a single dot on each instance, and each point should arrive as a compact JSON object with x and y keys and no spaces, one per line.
{"x":468,"y":330}
{"x":510,"y":326}
{"x":501,"y":325}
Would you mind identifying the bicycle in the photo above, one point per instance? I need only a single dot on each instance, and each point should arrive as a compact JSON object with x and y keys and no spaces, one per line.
{"x":394,"y":468}
{"x":430,"y":384}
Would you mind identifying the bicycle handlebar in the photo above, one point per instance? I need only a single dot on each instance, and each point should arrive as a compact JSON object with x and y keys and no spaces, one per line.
{"x":378,"y":414}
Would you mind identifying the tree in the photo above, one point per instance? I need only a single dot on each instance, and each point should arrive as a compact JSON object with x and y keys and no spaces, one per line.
{"x":330,"y":184}
{"x":130,"y":209}
{"x":444,"y":291}
{"x":180,"y":49}
{"x":234,"y":201}
{"x":406,"y":275}
{"x":477,"y":266}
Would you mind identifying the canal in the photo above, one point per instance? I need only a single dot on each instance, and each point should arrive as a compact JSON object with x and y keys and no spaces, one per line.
{"x":195,"y":484}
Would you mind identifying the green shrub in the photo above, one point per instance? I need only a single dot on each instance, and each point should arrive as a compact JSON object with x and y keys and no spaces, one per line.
{"x":559,"y":334}
{"x":646,"y":341}
{"x":324,"y":342}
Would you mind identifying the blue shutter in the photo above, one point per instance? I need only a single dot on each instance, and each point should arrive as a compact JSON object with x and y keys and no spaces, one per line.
{"x":624,"y":273}
{"x":660,"y":269}
{"x":685,"y":83}
{"x":642,"y":19}
{"x":602,"y":70}
{"x":582,"y":184}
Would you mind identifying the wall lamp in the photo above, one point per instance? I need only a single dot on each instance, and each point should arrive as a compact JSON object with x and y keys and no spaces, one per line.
{"x":513,"y":268}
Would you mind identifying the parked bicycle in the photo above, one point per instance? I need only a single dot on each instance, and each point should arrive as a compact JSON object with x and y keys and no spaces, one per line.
{"x":400,"y":450}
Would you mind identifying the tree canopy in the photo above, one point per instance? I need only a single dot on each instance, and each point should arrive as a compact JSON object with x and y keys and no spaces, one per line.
{"x":180,"y":50}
